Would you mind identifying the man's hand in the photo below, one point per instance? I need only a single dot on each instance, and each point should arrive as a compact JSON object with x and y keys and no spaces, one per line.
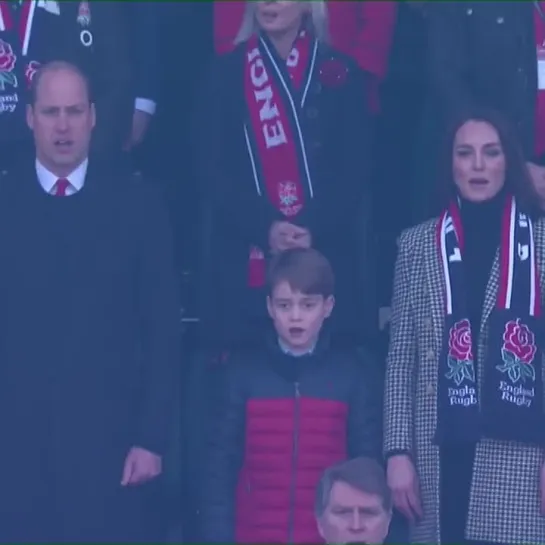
{"x":140,"y":124}
{"x":140,"y":466}
{"x":403,"y":483}
{"x":284,"y":236}
{"x":537,"y":175}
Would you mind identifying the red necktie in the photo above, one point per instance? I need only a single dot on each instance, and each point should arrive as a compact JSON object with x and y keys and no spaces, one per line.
{"x":61,"y":186}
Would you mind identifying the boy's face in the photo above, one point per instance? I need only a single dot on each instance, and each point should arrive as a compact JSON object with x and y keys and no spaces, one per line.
{"x":298,"y":317}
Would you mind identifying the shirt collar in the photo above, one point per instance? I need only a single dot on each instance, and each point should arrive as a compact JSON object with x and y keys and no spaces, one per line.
{"x":286,"y":350}
{"x":47,"y":179}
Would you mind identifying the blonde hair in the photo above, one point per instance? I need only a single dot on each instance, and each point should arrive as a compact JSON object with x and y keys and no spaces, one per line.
{"x":316,"y":20}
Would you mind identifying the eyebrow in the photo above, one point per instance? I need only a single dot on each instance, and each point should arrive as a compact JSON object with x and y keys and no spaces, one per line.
{"x":366,"y":509}
{"x":487,"y":145}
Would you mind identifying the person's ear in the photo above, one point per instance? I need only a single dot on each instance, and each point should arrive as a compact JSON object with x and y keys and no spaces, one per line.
{"x":319,"y":524}
{"x":270,"y":309}
{"x":30,"y":116}
{"x":329,"y":304}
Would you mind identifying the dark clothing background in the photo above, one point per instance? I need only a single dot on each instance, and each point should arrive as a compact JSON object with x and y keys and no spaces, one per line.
{"x":89,"y":349}
{"x":145,"y":22}
{"x":337,"y":136}
{"x":484,"y":53}
{"x":403,"y":95}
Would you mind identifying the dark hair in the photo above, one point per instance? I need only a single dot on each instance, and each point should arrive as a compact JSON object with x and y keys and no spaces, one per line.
{"x":55,"y":66}
{"x":364,"y":474}
{"x":517,"y":177}
{"x":305,"y":270}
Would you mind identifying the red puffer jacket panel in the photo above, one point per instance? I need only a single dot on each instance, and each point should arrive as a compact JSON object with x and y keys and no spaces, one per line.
{"x":289,"y":443}
{"x":280,"y":423}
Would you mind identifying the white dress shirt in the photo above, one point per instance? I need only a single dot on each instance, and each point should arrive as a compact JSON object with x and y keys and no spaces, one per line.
{"x":48,"y":180}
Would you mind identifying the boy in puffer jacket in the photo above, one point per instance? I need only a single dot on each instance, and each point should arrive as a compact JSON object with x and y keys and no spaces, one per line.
{"x":286,"y":414}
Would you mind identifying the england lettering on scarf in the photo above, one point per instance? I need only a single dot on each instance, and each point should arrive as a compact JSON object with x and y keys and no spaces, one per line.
{"x":518,"y":395}
{"x":8,"y":103}
{"x":273,"y":129}
{"x":465,"y":396}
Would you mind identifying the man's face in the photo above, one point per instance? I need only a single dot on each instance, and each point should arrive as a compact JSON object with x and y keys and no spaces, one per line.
{"x":298,"y":317}
{"x":354,"y":516}
{"x":62,"y":119}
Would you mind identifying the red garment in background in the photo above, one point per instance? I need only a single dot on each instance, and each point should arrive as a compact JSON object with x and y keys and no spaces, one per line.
{"x":361,"y":29}
{"x":539,"y":25}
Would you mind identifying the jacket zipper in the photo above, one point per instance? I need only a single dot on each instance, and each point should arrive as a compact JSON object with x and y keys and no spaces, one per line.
{"x":294,"y":456}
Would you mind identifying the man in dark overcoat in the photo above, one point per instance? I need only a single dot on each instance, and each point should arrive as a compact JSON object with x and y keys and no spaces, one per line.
{"x":88,"y":332}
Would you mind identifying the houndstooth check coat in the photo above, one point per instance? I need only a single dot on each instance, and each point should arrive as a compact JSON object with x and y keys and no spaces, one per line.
{"x":504,"y":502}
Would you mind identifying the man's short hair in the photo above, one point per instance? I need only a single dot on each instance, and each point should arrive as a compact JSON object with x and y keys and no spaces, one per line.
{"x":56,"y":66}
{"x":305,"y":270}
{"x":363,"y":474}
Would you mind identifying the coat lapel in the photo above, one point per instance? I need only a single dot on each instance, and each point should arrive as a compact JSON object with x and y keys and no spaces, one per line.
{"x":539,"y":236}
{"x":436,"y":285}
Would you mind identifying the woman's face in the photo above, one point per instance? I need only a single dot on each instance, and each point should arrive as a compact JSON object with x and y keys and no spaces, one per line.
{"x":478,"y":161}
{"x":281,"y":16}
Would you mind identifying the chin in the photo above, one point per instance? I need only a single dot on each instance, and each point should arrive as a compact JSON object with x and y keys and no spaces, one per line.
{"x":271,"y":28}
{"x":478,"y":196}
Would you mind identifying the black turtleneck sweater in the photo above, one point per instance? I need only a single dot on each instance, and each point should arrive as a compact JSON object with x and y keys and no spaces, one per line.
{"x":481,"y":223}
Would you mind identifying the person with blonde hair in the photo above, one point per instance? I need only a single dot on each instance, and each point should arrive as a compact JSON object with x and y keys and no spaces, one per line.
{"x":281,"y":141}
{"x":363,"y":30}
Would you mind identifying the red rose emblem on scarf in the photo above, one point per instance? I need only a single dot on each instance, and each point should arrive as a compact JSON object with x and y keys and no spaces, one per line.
{"x":459,"y":342}
{"x":7,"y":57}
{"x":520,"y":341}
{"x":333,"y":73}
{"x":31,"y":68}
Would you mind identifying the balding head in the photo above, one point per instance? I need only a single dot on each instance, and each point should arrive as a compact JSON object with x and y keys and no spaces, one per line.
{"x":56,"y":66}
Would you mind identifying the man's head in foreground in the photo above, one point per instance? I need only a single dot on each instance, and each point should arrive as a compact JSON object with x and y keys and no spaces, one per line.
{"x":353,"y":503}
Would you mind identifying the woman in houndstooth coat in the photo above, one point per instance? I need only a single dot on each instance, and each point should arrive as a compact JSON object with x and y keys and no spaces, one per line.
{"x":464,"y":400}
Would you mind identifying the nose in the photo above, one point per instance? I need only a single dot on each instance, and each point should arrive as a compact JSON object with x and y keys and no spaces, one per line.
{"x":478,"y":162}
{"x":62,"y":122}
{"x":356,"y":523}
{"x":295,"y":313}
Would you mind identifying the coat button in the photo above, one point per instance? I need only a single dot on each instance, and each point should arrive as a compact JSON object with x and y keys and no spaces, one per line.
{"x":469,"y":11}
{"x":431,"y":354}
{"x":430,"y":389}
{"x":312,"y":113}
{"x":500,"y":20}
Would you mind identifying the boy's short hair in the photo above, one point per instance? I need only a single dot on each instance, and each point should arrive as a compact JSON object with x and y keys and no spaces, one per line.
{"x":305,"y":270}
